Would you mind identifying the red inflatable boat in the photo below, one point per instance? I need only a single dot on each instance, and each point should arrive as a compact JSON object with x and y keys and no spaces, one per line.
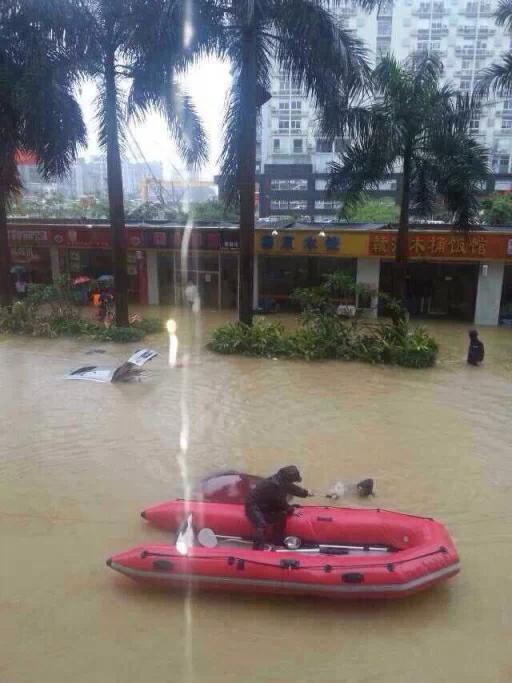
{"x":337,"y":552}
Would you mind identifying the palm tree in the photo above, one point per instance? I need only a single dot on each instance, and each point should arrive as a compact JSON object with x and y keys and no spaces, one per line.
{"x":422,"y":128}
{"x":140,"y":43}
{"x":313,"y":49}
{"x":39,"y":115}
{"x":497,"y":78}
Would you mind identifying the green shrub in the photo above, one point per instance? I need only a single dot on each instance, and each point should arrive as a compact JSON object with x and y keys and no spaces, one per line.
{"x":48,"y":311}
{"x":117,"y":334}
{"x":264,"y":338}
{"x":324,"y":335}
{"x":149,"y":325}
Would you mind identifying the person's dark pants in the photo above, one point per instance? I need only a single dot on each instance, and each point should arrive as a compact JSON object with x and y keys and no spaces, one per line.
{"x":260,"y":520}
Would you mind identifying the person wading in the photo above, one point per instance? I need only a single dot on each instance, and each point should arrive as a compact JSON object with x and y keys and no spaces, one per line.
{"x":476,"y":349}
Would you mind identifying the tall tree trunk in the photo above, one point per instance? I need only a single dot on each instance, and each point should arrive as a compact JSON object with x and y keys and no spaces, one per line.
{"x":115,"y":195}
{"x":5,"y":254}
{"x":402,"y":242}
{"x":247,"y":178}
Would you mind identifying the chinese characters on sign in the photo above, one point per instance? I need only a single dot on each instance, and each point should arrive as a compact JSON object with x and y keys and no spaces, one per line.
{"x":428,"y":246}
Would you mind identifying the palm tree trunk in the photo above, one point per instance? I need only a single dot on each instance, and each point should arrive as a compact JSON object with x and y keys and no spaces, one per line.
{"x":115,"y":195}
{"x":402,"y":242}
{"x":247,"y":179}
{"x":5,"y":254}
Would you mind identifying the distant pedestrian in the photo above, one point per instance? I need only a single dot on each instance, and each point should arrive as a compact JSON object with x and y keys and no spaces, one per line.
{"x":476,"y":349}
{"x":21,"y":288}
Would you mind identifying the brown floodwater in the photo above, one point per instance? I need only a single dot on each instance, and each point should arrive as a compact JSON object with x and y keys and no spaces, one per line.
{"x":80,"y":460}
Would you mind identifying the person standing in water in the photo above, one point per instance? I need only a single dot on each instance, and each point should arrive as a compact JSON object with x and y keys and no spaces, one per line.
{"x":476,"y":349}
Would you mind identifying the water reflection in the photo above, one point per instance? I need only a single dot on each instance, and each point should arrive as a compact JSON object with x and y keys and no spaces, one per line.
{"x":80,"y":460}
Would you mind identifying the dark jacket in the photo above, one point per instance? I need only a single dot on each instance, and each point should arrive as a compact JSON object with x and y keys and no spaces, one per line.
{"x":269,"y":497}
{"x":475,"y":352}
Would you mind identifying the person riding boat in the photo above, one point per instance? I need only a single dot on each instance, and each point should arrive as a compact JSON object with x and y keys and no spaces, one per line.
{"x":268,"y":503}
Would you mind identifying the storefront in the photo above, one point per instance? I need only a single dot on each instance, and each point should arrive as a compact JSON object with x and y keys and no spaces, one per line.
{"x":205,"y":257}
{"x":452,"y":275}
{"x":30,"y":255}
{"x":437,"y":289}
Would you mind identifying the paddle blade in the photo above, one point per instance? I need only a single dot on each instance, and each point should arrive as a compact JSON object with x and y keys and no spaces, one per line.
{"x":207,"y":538}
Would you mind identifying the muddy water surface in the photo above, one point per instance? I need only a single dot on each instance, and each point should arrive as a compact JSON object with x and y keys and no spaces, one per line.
{"x":78,"y":461}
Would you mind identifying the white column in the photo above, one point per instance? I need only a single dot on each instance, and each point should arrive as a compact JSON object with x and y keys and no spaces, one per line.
{"x":54,"y":261}
{"x":488,"y":296}
{"x":152,"y":271}
{"x":368,"y":273}
{"x":255,"y":285}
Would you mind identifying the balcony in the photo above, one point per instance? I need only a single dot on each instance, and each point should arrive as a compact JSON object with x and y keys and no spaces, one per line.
{"x":295,"y":133}
{"x":466,"y":53}
{"x":473,"y":11}
{"x":473,"y":31}
{"x":295,"y":113}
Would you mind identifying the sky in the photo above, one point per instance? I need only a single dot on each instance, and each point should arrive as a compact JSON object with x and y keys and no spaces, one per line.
{"x":208,"y":84}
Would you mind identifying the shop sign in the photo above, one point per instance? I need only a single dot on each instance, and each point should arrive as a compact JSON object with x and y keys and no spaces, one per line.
{"x":82,"y":237}
{"x":156,"y":239}
{"x":24,"y":255}
{"x":28,"y":236}
{"x":134,"y":238}
{"x":445,"y":246}
{"x":229,"y":240}
{"x":299,"y":243}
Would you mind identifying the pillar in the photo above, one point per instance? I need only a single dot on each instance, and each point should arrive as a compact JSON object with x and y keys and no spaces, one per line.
{"x":152,"y":275}
{"x":368,"y":273}
{"x":255,"y":286}
{"x":55,"y":264}
{"x":488,"y":296}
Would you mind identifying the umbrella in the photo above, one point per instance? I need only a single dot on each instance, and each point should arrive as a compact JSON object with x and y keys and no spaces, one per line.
{"x":81,"y":280}
{"x":18,"y":270}
{"x":105,"y":278}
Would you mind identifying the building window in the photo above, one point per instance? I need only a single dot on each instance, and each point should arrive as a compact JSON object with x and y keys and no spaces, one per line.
{"x":465,"y":85}
{"x":500,"y":163}
{"x":298,"y":184}
{"x":320,"y":184}
{"x":279,"y":204}
{"x":466,"y":64}
{"x":294,"y":184}
{"x":507,"y":105}
{"x":296,"y":105}
{"x":506,"y":123}
{"x":323,"y":146}
{"x":298,"y":204}
{"x":298,"y":146}
{"x":340,"y":145}
{"x":474,"y":124}
{"x":284,"y":106}
{"x":383,"y":45}
{"x":384,"y":26}
{"x":323,"y":204}
{"x":276,"y":146}
{"x":295,"y":124}
{"x":387,"y":185}
{"x":284,"y":124}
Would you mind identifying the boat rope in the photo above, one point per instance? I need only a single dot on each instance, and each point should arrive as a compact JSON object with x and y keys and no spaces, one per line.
{"x":295,"y":564}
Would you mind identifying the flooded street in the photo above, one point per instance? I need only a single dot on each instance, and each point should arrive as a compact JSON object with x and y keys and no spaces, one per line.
{"x":80,"y":460}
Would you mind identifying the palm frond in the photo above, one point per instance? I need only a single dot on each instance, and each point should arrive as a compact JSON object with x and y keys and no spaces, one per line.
{"x":318,"y":52}
{"x":504,"y":14}
{"x":497,"y":78}
{"x":101,"y":106}
{"x":363,"y":164}
{"x":230,"y":156}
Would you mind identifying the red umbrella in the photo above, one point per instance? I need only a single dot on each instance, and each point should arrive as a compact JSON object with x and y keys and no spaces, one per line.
{"x":81,"y":280}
